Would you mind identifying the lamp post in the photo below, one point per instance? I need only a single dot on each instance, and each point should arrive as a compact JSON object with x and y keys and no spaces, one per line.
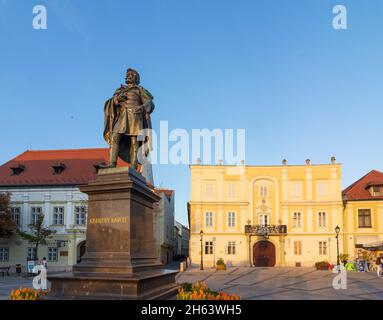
{"x":337,"y":230}
{"x":201,"y":238}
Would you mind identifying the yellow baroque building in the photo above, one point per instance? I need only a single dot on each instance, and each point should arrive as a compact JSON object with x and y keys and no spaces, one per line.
{"x":266,"y":215}
{"x":363,"y":213}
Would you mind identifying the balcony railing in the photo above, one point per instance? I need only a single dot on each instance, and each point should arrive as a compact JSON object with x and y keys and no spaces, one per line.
{"x":266,"y":230}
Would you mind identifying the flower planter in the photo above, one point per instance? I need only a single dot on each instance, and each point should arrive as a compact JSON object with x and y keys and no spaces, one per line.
{"x":220,"y":267}
{"x":322,"y":268}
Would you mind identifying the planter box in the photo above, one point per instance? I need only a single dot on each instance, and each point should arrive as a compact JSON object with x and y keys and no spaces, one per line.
{"x":220,"y":267}
{"x":322,"y":268}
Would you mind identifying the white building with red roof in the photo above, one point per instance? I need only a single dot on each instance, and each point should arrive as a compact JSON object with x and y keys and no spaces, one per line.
{"x":48,"y":182}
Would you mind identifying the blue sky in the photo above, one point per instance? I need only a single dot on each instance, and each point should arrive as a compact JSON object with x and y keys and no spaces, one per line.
{"x":274,"y":67}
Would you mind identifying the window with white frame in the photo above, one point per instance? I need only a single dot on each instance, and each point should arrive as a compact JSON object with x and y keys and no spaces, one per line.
{"x":4,"y":254}
{"x":263,"y":219}
{"x":231,"y":219}
{"x":209,"y":219}
{"x":230,"y":247}
{"x":209,"y":247}
{"x":16,"y":213}
{"x":31,"y":253}
{"x":297,"y":248}
{"x":322,"y":221}
{"x":209,"y":190}
{"x":296,"y":189}
{"x":321,"y":188}
{"x":35,"y":213}
{"x":58,"y":215}
{"x":263,"y":191}
{"x":297,"y":220}
{"x":322,"y":247}
{"x":231,"y":190}
{"x":80,"y":215}
{"x":52,"y":254}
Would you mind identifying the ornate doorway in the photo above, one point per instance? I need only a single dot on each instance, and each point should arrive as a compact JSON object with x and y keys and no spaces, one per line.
{"x":264,"y":254}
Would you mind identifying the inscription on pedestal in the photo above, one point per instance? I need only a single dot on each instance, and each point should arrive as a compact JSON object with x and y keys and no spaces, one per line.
{"x":109,"y":220}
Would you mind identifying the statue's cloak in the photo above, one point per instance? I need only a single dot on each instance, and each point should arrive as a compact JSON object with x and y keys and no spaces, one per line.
{"x":110,"y":118}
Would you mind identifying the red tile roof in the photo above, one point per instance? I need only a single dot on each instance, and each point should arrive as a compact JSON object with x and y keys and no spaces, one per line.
{"x":167,"y":192}
{"x":359,"y":189}
{"x":79,"y":167}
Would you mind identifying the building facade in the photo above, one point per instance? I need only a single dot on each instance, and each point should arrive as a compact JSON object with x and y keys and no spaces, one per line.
{"x":47,"y":182}
{"x":183,"y":239}
{"x":164,"y":225}
{"x":265,"y":215}
{"x":363,"y":215}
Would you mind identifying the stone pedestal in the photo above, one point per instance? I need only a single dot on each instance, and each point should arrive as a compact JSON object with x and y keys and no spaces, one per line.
{"x":120,"y":260}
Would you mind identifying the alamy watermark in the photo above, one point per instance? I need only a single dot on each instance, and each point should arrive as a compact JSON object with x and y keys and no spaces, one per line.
{"x":340,"y":281}
{"x":39,"y":21}
{"x":339,"y":22}
{"x":39,"y":282}
{"x":178,"y":146}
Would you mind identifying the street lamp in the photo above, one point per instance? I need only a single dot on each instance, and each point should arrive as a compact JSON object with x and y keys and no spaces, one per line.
{"x":337,"y":230}
{"x":201,"y":237}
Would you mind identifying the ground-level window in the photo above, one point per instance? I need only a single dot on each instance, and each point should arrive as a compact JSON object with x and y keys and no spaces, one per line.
{"x":322,"y":247}
{"x":297,"y":248}
{"x":364,"y":218}
{"x":80,"y":215}
{"x":52,"y":254}
{"x":31,"y":253}
{"x":322,"y":219}
{"x":209,"y":247}
{"x":230,"y":248}
{"x":16,"y":212}
{"x":4,"y":254}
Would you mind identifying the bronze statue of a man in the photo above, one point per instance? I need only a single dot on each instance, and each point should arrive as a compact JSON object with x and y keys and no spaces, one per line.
{"x":126,"y":114}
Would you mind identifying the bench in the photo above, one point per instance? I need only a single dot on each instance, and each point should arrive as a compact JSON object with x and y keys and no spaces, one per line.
{"x":5,"y":271}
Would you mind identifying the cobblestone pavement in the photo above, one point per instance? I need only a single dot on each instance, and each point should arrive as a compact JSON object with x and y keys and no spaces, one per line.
{"x":287,"y":283}
{"x":263,"y":283}
{"x":13,"y":282}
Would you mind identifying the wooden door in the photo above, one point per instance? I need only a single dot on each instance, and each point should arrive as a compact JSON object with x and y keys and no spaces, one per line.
{"x":264,"y":254}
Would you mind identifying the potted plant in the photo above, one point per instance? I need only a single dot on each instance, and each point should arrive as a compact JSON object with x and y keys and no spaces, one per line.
{"x":344,"y":258}
{"x":322,"y":265}
{"x":220,"y":264}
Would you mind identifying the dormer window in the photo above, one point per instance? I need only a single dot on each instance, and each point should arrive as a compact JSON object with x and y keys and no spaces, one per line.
{"x":375,"y":189}
{"x":16,"y":170}
{"x":58,"y":168}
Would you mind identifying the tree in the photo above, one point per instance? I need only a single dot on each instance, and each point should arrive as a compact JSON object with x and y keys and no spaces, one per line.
{"x":7,"y":225}
{"x":39,"y":234}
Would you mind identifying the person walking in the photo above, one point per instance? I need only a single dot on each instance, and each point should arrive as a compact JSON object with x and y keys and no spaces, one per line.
{"x":379,"y":262}
{"x":44,"y":263}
